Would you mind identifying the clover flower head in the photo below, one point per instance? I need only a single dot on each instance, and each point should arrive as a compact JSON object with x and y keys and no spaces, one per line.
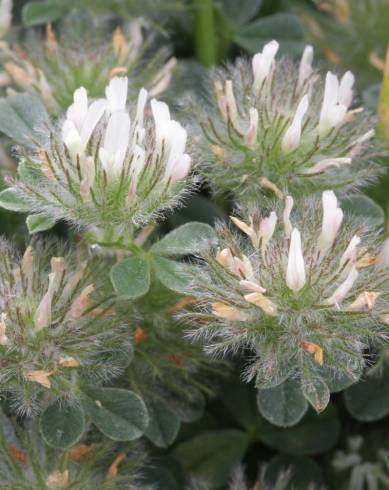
{"x":108,"y":170}
{"x":54,"y":68}
{"x":304,"y":289}
{"x":274,"y":126}
{"x":55,"y":328}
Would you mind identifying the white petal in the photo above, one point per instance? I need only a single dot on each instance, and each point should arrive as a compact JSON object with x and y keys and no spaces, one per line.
{"x":78,"y":110}
{"x":93,"y":116}
{"x":266,"y":228}
{"x":161,"y":116}
{"x":262,"y":63}
{"x":295,"y":273}
{"x":116,"y":138}
{"x":72,"y":139}
{"x":175,"y":137}
{"x":346,"y":89}
{"x":142,"y":98}
{"x":332,"y":219}
{"x":116,"y":94}
{"x":291,"y":139}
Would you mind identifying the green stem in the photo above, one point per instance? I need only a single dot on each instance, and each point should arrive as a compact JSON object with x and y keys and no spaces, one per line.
{"x":204,"y":32}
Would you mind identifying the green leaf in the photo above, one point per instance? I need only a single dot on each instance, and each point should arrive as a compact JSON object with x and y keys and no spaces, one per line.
{"x":283,"y":405}
{"x":368,"y":400}
{"x":316,"y":392}
{"x":131,"y":277}
{"x":364,"y":207}
{"x":239,"y":13}
{"x":13,"y":200}
{"x":62,"y":425}
{"x":299,"y":471}
{"x":314,"y":434}
{"x":164,"y":425}
{"x":36,"y":13}
{"x":284,"y":27}
{"x":174,"y":275}
{"x":22,"y":117}
{"x":39,"y":222}
{"x":212,"y":455}
{"x":119,"y":414}
{"x":187,"y":239}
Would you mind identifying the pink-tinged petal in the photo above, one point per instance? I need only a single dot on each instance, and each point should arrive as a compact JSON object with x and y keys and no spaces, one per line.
{"x":341,"y":292}
{"x":231,"y":102}
{"x":305,"y":69}
{"x":295,"y":273}
{"x":252,"y":132}
{"x":332,"y":219}
{"x":181,"y":168}
{"x":350,"y":255}
{"x":325,"y":164}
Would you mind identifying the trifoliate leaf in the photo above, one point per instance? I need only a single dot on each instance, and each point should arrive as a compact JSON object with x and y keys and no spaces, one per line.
{"x":174,"y":275}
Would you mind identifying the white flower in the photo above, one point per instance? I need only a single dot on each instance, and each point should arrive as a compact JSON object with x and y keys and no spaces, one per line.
{"x":295,"y":272}
{"x":81,"y":121}
{"x":332,"y":219}
{"x":305,"y":69}
{"x":291,"y":139}
{"x":345,"y":95}
{"x":116,"y":94}
{"x":332,"y":112}
{"x":117,"y":135}
{"x":172,"y":136}
{"x":252,"y":131}
{"x":262,"y":64}
{"x":341,"y":292}
{"x":323,"y":165}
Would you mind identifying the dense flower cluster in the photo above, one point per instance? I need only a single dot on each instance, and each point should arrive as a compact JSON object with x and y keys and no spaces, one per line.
{"x":106,"y":171}
{"x":275,"y":126}
{"x":53,"y":69}
{"x":55,"y":328}
{"x":304,"y":294}
{"x":27,"y":463}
